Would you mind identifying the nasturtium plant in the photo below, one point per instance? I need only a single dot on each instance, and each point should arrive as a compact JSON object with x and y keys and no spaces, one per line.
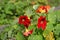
{"x":58,"y":17}
{"x":29,"y":11}
{"x":29,"y":20}
{"x":52,"y":17}
{"x":56,"y":29}
{"x":35,"y":37}
{"x":49,"y":27}
{"x":20,"y":36}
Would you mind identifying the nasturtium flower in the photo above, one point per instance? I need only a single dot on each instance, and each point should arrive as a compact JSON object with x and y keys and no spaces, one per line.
{"x":28,"y":32}
{"x":43,"y":9}
{"x":42,"y":22}
{"x":24,"y":20}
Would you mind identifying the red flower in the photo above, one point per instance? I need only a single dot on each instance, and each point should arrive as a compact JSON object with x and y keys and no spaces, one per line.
{"x":27,"y":33}
{"x":42,"y":22}
{"x":43,"y":9}
{"x":24,"y":20}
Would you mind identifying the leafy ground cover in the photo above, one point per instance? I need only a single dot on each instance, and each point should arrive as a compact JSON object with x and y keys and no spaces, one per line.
{"x":29,"y":20}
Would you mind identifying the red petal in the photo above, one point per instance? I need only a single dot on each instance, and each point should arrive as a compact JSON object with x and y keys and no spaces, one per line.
{"x":39,"y":25}
{"x":26,"y":21}
{"x":44,"y":25}
{"x":30,"y":32}
{"x":42,"y":22}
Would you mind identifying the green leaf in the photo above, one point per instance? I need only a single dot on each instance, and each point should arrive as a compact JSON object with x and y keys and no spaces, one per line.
{"x":29,"y":12}
{"x":35,"y":7}
{"x":9,"y":33}
{"x":49,"y":26}
{"x":45,"y":33}
{"x":58,"y":15}
{"x":8,"y":8}
{"x":3,"y":36}
{"x":15,"y":26}
{"x":52,"y":17}
{"x":7,"y":29}
{"x":34,"y":19}
{"x":58,"y":38}
{"x":57,"y":29}
{"x":31,"y":27}
{"x":35,"y":37}
{"x":20,"y":36}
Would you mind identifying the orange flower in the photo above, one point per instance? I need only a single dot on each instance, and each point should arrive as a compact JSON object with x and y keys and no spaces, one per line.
{"x":47,"y":7}
{"x":43,"y":9}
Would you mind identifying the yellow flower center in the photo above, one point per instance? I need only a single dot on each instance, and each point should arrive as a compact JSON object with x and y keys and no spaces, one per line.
{"x":27,"y":30}
{"x":42,"y":11}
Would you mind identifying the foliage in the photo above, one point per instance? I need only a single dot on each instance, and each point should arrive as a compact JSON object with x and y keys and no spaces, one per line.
{"x":11,"y":10}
